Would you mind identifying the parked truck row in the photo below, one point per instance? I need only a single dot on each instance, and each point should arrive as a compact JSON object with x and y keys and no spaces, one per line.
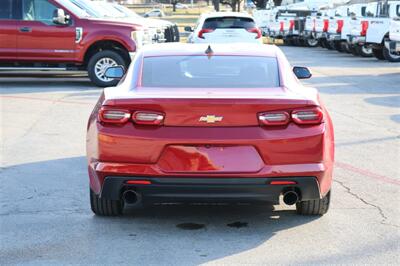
{"x":364,"y":29}
{"x":77,"y":35}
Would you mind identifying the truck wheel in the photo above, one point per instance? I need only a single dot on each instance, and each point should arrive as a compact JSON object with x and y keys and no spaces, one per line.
{"x":364,"y":51}
{"x":98,"y":65}
{"x":314,"y":207}
{"x":378,"y":53}
{"x":390,"y":57}
{"x":330,"y":45}
{"x":338,"y":46}
{"x":311,"y":42}
{"x":105,"y":207}
{"x":354,"y":51}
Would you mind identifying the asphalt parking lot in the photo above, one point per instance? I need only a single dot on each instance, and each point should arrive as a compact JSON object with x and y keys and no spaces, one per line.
{"x":45,"y":217}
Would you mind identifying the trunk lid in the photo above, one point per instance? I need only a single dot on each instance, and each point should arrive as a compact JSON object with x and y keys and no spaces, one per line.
{"x":210,"y":107}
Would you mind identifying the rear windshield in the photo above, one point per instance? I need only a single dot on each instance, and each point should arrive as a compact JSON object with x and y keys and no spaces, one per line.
{"x":229,"y":23}
{"x":210,"y":72}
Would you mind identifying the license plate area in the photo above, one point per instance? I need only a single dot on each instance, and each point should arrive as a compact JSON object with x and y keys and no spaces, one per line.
{"x":210,"y":159}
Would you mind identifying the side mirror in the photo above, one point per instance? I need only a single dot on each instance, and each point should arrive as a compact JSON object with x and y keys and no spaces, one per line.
{"x":60,"y":17}
{"x":189,"y":29}
{"x":116,"y":72}
{"x":302,"y":72}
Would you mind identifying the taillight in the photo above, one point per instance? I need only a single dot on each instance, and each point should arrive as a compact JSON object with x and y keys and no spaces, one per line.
{"x":364,"y":28}
{"x":339,"y":26}
{"x":114,"y":116}
{"x":274,"y":118}
{"x":326,"y":25}
{"x":281,"y":26}
{"x":291,"y":24}
{"x":256,"y":31}
{"x":147,"y":118}
{"x":202,"y":31}
{"x":307,"y":116}
{"x":314,"y":25}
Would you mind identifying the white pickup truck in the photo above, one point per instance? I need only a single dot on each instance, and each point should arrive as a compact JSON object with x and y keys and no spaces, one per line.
{"x":374,"y":30}
{"x":394,"y":36}
{"x":322,"y":26}
{"x":340,"y":25}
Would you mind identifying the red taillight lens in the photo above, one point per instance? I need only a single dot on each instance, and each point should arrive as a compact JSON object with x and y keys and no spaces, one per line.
{"x":339,"y":26}
{"x":138,"y":182}
{"x":307,"y":116}
{"x":281,"y":26}
{"x":256,"y":31}
{"x":274,"y":118}
{"x":202,"y":31}
{"x":114,"y":116}
{"x":364,"y":28}
{"x":148,"y":118}
{"x":326,"y":25}
{"x":291,"y":25}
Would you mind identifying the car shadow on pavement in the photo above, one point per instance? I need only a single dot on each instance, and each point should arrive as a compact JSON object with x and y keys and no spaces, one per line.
{"x":54,"y":194}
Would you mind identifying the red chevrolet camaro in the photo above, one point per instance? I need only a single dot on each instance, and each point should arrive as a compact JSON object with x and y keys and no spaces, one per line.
{"x":210,"y":123}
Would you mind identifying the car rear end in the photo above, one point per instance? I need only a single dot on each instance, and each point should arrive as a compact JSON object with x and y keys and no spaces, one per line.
{"x":213,"y":128}
{"x":223,"y":29}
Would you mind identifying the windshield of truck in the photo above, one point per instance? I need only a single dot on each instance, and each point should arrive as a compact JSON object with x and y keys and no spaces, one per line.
{"x":210,"y":72}
{"x":89,"y":8}
{"x":79,"y":12}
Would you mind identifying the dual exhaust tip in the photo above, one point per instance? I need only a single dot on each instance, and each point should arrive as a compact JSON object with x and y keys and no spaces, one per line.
{"x":131,"y":197}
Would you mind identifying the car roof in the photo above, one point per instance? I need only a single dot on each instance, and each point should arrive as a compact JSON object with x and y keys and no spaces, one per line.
{"x":225,"y":14}
{"x":178,"y":49}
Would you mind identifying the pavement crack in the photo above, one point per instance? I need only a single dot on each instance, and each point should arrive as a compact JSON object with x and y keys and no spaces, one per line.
{"x":381,"y":213}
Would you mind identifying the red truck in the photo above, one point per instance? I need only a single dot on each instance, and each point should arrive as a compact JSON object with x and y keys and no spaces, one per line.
{"x":57,"y":35}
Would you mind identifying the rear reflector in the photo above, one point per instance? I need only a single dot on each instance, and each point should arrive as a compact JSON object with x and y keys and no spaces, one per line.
{"x":256,"y":31}
{"x":339,"y":26}
{"x":291,"y":24}
{"x":364,"y":27}
{"x":138,"y":182}
{"x":326,"y":25}
{"x":148,"y":118}
{"x":115,"y":116}
{"x":283,"y":183}
{"x":274,"y":118}
{"x":202,"y":31}
{"x":307,"y":116}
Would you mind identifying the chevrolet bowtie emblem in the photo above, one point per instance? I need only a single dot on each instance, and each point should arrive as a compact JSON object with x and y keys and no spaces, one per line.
{"x":211,"y":119}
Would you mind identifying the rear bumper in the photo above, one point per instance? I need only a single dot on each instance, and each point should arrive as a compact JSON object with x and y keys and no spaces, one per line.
{"x":356,"y":40}
{"x":204,"y":189}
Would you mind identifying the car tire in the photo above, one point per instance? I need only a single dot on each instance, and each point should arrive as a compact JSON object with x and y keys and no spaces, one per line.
{"x":346,"y":47}
{"x":323,"y":43}
{"x":364,"y":51}
{"x":390,"y":57}
{"x":338,"y":46}
{"x":104,"y":58}
{"x":378,"y":53}
{"x":330,"y":45}
{"x":314,"y":207}
{"x":354,"y":51}
{"x":105,"y":207}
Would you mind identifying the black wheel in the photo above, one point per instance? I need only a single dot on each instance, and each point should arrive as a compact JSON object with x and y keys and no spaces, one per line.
{"x":288,"y":42}
{"x":364,"y":50}
{"x":98,"y":65}
{"x":390,"y":57}
{"x":345,"y":47}
{"x":330,"y":45}
{"x":314,"y":207}
{"x":378,"y":53}
{"x":105,"y":207}
{"x":354,"y":51}
{"x":338,"y":46}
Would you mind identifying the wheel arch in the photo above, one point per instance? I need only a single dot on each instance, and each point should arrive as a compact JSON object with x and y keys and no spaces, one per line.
{"x":102,"y":45}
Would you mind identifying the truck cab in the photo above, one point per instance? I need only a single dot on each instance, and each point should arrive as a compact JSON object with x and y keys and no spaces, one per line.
{"x":57,"y":35}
